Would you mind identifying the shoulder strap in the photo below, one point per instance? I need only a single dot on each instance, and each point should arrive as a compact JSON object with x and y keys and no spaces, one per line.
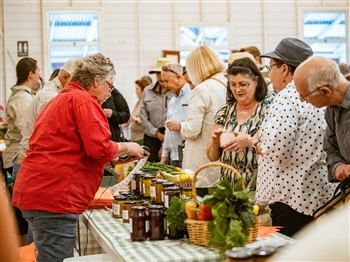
{"x":214,"y":78}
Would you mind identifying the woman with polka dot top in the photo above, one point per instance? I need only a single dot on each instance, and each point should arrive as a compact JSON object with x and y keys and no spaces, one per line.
{"x":292,"y":174}
{"x":241,"y":117}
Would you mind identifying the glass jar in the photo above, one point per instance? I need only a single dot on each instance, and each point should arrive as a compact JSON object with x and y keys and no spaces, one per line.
{"x":153,"y":190}
{"x":127,"y":210}
{"x":156,"y":229}
{"x":135,"y":198}
{"x":169,"y":193}
{"x":135,"y":183}
{"x":126,"y":193}
{"x":159,"y":189}
{"x":140,"y":224}
{"x":186,"y":191}
{"x":117,"y":206}
{"x":164,"y":186}
{"x":146,"y":189}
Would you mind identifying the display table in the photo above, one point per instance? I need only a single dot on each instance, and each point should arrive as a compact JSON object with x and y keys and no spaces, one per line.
{"x":114,"y":237}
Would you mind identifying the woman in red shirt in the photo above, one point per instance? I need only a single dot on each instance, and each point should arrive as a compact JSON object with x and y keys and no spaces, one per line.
{"x":67,"y":152}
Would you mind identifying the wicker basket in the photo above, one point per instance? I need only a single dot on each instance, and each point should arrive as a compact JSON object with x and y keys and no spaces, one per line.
{"x":197,"y":229}
{"x":183,"y":183}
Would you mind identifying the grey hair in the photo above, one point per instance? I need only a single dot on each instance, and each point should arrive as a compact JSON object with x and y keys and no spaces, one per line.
{"x":325,"y":75}
{"x":87,"y":68}
{"x":176,"y":67}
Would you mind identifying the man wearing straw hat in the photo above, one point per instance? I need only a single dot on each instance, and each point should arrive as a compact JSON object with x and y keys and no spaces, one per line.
{"x":155,"y":99}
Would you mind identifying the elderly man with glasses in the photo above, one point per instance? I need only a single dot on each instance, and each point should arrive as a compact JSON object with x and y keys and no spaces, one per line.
{"x":292,"y":174}
{"x":177,"y":112}
{"x":320,"y":82}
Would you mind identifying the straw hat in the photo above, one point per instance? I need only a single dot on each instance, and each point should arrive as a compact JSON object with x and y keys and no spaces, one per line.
{"x":159,"y":64}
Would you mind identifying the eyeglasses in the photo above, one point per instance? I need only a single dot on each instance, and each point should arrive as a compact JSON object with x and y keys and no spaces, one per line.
{"x":302,"y":97}
{"x":269,"y":67}
{"x":167,"y":69}
{"x":110,"y":86}
{"x":241,"y":85}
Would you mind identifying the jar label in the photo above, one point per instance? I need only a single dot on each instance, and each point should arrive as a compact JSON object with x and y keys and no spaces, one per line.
{"x":133,"y":185}
{"x":166,"y":201}
{"x":143,"y":188}
{"x":153,"y":191}
{"x":116,"y":209}
{"x":147,"y":225}
{"x":125,"y":214}
{"x":162,"y":196}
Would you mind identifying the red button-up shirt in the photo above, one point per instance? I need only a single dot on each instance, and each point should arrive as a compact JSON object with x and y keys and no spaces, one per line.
{"x":68,"y":149}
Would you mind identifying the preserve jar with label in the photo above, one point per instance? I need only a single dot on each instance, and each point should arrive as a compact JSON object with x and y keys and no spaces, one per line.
{"x":140,"y":224}
{"x":153,"y":190}
{"x":117,"y":206}
{"x":156,"y":228}
{"x":164,"y":186}
{"x":159,"y":189}
{"x":135,"y":184}
{"x":186,"y":191}
{"x":127,"y":207}
{"x":146,"y":189}
{"x":169,"y":193}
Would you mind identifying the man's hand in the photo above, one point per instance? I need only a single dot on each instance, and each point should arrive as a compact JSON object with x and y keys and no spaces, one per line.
{"x":160,"y":136}
{"x":342,"y":171}
{"x":173,"y":125}
{"x":165,"y":160}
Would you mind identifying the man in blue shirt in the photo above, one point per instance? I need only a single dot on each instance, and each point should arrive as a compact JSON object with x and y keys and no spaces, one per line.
{"x":177,"y":112}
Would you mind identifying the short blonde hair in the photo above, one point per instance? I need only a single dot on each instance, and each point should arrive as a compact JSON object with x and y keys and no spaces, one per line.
{"x":202,"y":63}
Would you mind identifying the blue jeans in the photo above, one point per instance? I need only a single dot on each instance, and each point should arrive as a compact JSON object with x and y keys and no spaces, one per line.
{"x":54,"y":234}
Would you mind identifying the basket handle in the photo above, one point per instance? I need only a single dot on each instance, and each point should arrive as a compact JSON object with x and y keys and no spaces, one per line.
{"x":214,"y":164}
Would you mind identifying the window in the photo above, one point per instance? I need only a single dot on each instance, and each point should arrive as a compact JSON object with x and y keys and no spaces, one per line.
{"x":215,"y":36}
{"x":71,"y":34}
{"x":326,"y":33}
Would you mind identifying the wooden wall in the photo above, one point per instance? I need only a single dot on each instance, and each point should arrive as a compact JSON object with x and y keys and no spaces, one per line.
{"x":134,"y":33}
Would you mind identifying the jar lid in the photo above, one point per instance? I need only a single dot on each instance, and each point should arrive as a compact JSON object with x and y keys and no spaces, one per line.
{"x":239,"y":253}
{"x":125,"y":193}
{"x":154,"y":179}
{"x":172,"y":188}
{"x":134,"y":197}
{"x":264,"y":251}
{"x":129,"y":202}
{"x":148,"y":176}
{"x":168,"y":184}
{"x":156,"y":207}
{"x":120,"y":197}
{"x":187,"y":188}
{"x":161,"y":181}
{"x":138,"y":208}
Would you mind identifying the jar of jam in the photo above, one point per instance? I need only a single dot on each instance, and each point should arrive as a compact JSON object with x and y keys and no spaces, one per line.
{"x":156,"y":229}
{"x":159,"y":189}
{"x":140,"y":224}
{"x":117,"y":206}
{"x":146,"y":189}
{"x":165,"y":185}
{"x":153,"y":190}
{"x":127,"y":210}
{"x":169,"y":193}
{"x":135,"y":183}
{"x":186,"y":191}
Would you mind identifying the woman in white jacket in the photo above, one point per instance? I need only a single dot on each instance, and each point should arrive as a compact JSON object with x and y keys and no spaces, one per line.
{"x":205,"y":69}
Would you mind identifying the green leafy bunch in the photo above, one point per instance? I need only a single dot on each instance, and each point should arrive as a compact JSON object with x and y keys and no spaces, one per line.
{"x":233,"y":215}
{"x":176,"y":214}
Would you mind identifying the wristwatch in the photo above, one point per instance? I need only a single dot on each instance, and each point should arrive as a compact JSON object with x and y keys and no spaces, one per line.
{"x":254,"y":147}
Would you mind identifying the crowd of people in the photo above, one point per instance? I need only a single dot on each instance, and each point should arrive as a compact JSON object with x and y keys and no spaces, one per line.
{"x":281,"y":125}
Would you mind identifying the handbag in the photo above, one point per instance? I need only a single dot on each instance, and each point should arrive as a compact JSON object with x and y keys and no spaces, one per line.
{"x":180,"y":149}
{"x":340,"y":197}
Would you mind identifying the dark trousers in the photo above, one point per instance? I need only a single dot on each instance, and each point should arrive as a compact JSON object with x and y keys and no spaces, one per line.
{"x":291,"y":220}
{"x":154,"y":144}
{"x":21,"y":222}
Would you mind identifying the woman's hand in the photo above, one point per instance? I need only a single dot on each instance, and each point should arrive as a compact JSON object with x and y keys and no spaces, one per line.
{"x":239,"y":143}
{"x":215,"y":137}
{"x":108,"y":112}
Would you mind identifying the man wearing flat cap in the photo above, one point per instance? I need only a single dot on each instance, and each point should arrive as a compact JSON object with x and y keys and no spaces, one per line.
{"x":154,"y":107}
{"x":292,"y":172}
